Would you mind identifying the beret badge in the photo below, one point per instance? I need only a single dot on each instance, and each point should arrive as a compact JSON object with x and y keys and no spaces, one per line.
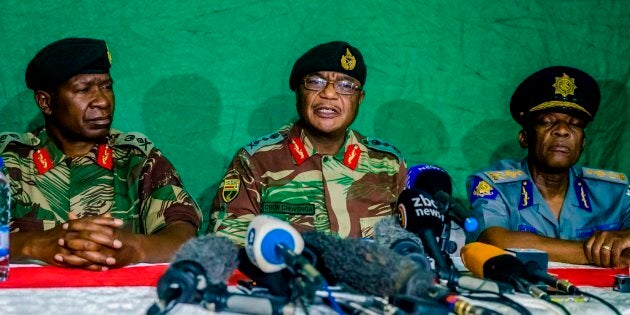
{"x":565,"y":85}
{"x":348,"y":61}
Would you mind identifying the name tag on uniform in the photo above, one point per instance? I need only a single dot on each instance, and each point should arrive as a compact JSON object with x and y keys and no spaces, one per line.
{"x":288,"y":208}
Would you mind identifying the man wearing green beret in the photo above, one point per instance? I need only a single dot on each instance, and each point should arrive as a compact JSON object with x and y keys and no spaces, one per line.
{"x":83,"y":194}
{"x":576,"y":214}
{"x":316,"y":173}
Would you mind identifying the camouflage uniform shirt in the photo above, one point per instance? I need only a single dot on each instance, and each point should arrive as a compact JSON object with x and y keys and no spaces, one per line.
{"x":126,"y":177}
{"x":282,"y":175}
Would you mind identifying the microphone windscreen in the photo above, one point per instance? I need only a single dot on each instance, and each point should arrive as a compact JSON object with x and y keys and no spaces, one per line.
{"x":418,"y":212}
{"x":218,"y":256}
{"x":430,"y":178}
{"x":389,"y":233}
{"x":368,"y":267}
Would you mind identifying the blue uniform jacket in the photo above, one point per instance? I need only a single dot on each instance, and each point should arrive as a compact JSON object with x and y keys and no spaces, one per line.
{"x":504,"y":195}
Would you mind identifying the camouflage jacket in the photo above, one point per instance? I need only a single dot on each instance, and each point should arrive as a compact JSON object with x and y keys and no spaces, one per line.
{"x":126,"y":176}
{"x":282,"y":175}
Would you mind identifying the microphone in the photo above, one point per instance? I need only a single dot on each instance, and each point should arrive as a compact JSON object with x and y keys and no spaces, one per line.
{"x":436,"y":181}
{"x":199,"y":263}
{"x":419,"y":214}
{"x":366,"y":266}
{"x":273,"y":244}
{"x":487,"y":261}
{"x":536,"y":273}
{"x":389,"y":233}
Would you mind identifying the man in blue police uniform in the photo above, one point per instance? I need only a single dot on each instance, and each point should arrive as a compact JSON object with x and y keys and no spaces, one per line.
{"x":577,"y":214}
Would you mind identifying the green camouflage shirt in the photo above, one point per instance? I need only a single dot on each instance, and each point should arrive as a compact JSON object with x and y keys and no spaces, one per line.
{"x":282,"y":175}
{"x":140,"y":186}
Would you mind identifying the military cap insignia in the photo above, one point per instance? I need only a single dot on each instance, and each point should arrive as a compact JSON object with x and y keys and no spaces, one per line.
{"x":109,"y":54}
{"x":231,"y":187}
{"x":348,"y":61}
{"x":482,"y":190}
{"x":565,"y":85}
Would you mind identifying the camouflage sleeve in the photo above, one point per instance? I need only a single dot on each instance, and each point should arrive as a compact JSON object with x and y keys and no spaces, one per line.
{"x":163,"y":198}
{"x":238,"y":199}
{"x":401,"y":179}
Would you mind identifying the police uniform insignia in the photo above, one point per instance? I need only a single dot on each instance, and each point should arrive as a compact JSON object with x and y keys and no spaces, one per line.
{"x":527,"y":191}
{"x":298,"y":151}
{"x":42,"y":161}
{"x":104,"y":157}
{"x":482,"y":190}
{"x":351,"y":158}
{"x":348,"y":61}
{"x":581,"y":194}
{"x":609,"y":176}
{"x":527,"y":228}
{"x":505,"y":176}
{"x":565,"y":85}
{"x":628,"y":192}
{"x":231,"y":187}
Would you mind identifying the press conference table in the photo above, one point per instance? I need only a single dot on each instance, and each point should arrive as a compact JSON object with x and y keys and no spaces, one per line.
{"x":33,"y":289}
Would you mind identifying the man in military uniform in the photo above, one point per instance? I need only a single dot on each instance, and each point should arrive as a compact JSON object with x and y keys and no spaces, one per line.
{"x":316,"y":173}
{"x":85,"y":195}
{"x":577,"y":214}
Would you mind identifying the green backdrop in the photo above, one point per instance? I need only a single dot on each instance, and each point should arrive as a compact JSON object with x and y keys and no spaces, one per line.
{"x":203,"y":78}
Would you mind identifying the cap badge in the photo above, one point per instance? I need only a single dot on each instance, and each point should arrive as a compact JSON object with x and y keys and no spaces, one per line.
{"x":348,"y":61}
{"x":565,"y":85}
{"x":109,"y":55}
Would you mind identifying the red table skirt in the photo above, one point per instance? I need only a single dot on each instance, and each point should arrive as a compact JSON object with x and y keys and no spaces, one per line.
{"x":148,"y":275}
{"x":56,"y":277}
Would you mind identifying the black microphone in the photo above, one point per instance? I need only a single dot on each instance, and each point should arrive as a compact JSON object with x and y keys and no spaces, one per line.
{"x":436,"y":181}
{"x":536,"y":273}
{"x":487,"y":261}
{"x":366,"y":266}
{"x":199,"y":263}
{"x":389,"y":232}
{"x":420,"y":215}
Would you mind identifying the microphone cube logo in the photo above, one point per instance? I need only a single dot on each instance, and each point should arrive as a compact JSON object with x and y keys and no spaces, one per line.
{"x":424,"y":206}
{"x":249,"y":249}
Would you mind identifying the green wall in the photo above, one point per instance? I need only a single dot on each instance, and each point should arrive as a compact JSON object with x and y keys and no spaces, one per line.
{"x":202,"y":78}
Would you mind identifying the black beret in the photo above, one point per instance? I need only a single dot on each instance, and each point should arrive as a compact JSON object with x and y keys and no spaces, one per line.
{"x":556,"y":89}
{"x":333,"y":56}
{"x":65,"y":58}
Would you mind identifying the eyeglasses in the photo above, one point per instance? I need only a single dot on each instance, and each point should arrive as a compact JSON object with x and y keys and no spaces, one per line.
{"x":345,"y":87}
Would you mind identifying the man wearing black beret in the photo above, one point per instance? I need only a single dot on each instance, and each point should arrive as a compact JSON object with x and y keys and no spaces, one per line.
{"x":316,"y":173}
{"x":83,"y":194}
{"x":577,"y":214}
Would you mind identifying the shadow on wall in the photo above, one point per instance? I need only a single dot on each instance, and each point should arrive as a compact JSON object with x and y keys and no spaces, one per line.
{"x":181,"y":114}
{"x":490,"y":141}
{"x":416,"y":131}
{"x":606,"y":137}
{"x":20,"y":113}
{"x":272,"y":114}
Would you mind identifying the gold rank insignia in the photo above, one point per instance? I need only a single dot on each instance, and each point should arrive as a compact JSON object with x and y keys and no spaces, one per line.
{"x":231,"y":188}
{"x":348,"y":61}
{"x":565,"y":85}
{"x":483,"y":189}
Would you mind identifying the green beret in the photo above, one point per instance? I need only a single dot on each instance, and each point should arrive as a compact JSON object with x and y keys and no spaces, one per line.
{"x":65,"y":58}
{"x":333,"y":56}
{"x":556,"y":89}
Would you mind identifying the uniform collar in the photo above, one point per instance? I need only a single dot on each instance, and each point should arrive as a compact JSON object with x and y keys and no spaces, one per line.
{"x":302,"y":148}
{"x":47,"y":154}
